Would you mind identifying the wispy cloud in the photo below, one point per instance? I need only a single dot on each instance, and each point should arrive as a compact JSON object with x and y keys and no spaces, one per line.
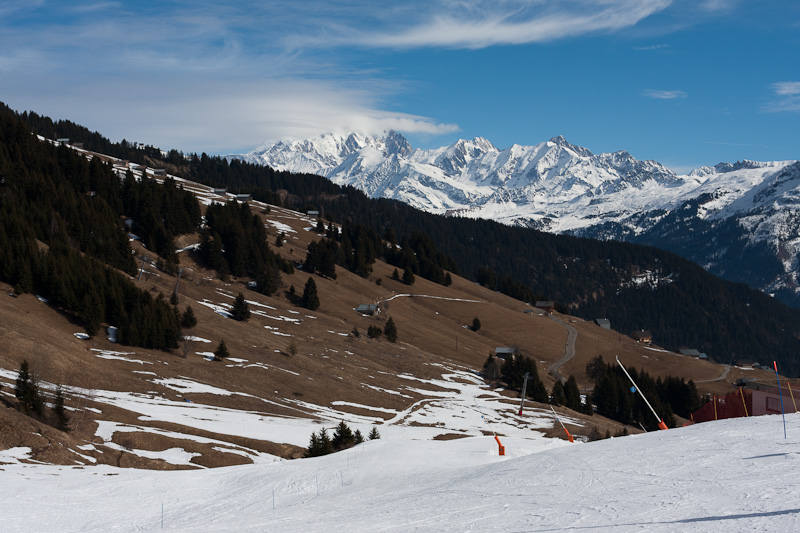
{"x":482,"y":24}
{"x":661,"y":46}
{"x":786,"y":97}
{"x":664,"y":95}
{"x":216,"y":76}
{"x":718,"y":5}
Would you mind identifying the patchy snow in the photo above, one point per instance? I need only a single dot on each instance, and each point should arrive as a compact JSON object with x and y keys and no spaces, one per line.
{"x":280,"y":226}
{"x":82,"y":336}
{"x":734,"y":475}
{"x":14,"y":455}
{"x":108,"y":354}
{"x":195,"y":338}
{"x":185,"y":385}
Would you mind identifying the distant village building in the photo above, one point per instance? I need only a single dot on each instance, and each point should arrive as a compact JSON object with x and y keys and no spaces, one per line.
{"x":221,"y":191}
{"x":368,"y":309}
{"x":546,"y":305}
{"x":603,"y":323}
{"x":244,"y":198}
{"x":313,"y":213}
{"x":644,"y":336}
{"x":505,"y":353}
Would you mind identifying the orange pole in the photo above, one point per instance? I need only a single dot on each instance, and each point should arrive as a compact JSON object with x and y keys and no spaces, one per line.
{"x":744,"y":403}
{"x":501,"y":448}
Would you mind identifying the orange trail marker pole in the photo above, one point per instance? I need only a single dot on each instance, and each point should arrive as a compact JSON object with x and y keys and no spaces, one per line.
{"x":562,"y":424}
{"x":501,"y":449}
{"x":661,"y":424}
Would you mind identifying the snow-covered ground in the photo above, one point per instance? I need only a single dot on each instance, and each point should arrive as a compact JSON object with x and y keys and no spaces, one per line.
{"x":732,"y":475}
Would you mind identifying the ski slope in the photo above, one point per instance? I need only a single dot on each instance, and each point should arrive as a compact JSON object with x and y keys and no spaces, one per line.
{"x":732,"y":475}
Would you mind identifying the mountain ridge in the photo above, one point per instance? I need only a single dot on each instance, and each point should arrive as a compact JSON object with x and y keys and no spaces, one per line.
{"x":559,"y":187}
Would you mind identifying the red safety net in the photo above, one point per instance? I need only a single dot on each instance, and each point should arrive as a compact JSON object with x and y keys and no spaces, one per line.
{"x":749,"y":402}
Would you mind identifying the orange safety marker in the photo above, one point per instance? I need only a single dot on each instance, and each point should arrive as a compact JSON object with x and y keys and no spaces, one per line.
{"x":501,"y":448}
{"x":562,"y":425}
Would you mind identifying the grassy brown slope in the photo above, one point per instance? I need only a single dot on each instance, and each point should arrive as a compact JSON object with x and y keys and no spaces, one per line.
{"x":330,"y":364}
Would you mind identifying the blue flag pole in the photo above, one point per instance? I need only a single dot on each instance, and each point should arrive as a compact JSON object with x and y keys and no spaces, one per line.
{"x":781,"y":395}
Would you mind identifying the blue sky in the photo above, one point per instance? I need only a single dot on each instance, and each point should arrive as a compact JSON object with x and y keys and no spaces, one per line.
{"x":686,"y":83}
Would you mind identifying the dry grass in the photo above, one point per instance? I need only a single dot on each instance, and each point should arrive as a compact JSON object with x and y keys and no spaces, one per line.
{"x":430,"y":330}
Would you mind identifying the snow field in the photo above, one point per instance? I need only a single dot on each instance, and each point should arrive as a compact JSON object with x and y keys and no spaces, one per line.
{"x":733,"y":475}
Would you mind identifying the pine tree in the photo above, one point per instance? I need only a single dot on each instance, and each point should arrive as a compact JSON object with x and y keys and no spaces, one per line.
{"x":325,"y":444}
{"x":173,"y":299}
{"x":27,"y":392}
{"x":476,"y":324}
{"x":373,"y":331}
{"x":343,"y":437}
{"x":572,"y":394}
{"x":408,"y":276}
{"x":221,"y":352}
{"x":313,"y":447}
{"x":358,"y":437}
{"x":62,"y":421}
{"x":374,"y":435}
{"x":188,"y":319}
{"x":390,"y":330}
{"x":240,"y":310}
{"x":395,"y":275}
{"x":310,"y":298}
{"x":557,"y":395}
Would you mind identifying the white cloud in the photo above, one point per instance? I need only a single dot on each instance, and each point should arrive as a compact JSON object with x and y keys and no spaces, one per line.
{"x":664,"y":95}
{"x":652,"y":47}
{"x":718,"y":5}
{"x":786,"y":99}
{"x":223,"y":116}
{"x":496,"y":23}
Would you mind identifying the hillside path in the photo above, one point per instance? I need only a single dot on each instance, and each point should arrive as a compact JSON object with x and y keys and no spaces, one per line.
{"x":722,"y":376}
{"x":569,"y":350}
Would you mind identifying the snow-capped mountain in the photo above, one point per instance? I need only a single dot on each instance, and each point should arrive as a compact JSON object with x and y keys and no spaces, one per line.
{"x":738,"y":220}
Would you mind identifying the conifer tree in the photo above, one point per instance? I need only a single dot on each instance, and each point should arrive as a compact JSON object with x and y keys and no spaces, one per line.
{"x":310,"y":298}
{"x":373,"y":331}
{"x":221,"y":352}
{"x":358,"y":437}
{"x":557,"y":395}
{"x":476,"y":324}
{"x":62,"y":421}
{"x":313,"y":447}
{"x":343,"y":437}
{"x":395,"y":275}
{"x":27,"y":392}
{"x":572,"y":394}
{"x":188,"y":319}
{"x":240,"y":310}
{"x":408,"y":276}
{"x":325,"y":444}
{"x":374,"y":435}
{"x":390,"y":330}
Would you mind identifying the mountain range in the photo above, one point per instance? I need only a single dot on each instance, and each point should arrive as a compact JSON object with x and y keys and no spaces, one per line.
{"x":738,"y":220}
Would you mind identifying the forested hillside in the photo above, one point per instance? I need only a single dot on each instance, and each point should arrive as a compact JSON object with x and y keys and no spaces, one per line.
{"x":636,"y":287}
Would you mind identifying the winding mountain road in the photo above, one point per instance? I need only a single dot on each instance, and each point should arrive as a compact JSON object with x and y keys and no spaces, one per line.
{"x":569,"y":350}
